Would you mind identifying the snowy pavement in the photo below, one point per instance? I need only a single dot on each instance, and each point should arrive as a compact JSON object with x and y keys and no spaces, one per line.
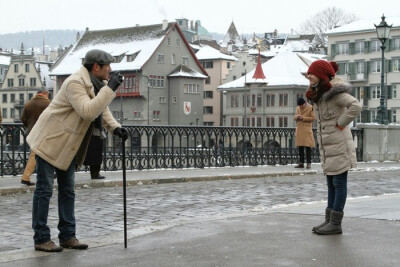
{"x":218,"y":195}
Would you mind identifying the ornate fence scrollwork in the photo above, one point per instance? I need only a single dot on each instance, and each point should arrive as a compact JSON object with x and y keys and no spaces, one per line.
{"x":159,"y":147}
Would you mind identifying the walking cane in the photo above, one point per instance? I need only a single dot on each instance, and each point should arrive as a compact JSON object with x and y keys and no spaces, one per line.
{"x":124,"y":190}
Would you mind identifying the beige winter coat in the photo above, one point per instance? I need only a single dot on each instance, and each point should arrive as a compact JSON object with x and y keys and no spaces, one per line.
{"x":60,"y":129}
{"x":304,"y":133}
{"x":336,"y":147}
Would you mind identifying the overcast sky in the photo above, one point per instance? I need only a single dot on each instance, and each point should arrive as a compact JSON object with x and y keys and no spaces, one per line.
{"x":215,"y":15}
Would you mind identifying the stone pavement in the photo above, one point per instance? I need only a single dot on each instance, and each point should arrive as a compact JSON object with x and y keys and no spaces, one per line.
{"x":220,"y":234}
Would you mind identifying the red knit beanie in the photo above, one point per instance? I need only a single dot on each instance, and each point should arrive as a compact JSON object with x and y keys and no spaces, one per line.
{"x":324,"y":70}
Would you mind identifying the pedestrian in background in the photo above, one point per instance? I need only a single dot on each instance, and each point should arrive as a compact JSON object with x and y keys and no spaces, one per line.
{"x":304,"y":117}
{"x":60,"y":139}
{"x":335,"y":109}
{"x":30,"y":114}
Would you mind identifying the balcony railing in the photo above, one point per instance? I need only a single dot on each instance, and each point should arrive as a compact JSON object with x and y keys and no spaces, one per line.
{"x":152,"y":147}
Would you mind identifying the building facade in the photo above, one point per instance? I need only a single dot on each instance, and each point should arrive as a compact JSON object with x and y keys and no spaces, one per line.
{"x":357,"y":50}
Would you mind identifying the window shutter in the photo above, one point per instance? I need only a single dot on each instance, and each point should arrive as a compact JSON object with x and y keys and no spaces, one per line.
{"x":366,"y":47}
{"x":367,"y":94}
{"x":352,"y":70}
{"x":390,"y":115}
{"x":333,"y":50}
{"x":365,"y":115}
{"x":389,"y":92}
{"x":390,"y":66}
{"x":390,"y":44}
{"x":352,"y":48}
{"x":341,"y":70}
{"x":386,"y":65}
{"x":366,"y":70}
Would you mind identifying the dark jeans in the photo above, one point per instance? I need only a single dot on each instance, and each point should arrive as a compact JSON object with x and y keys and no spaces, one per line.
{"x":308,"y":153}
{"x":337,"y":191}
{"x":41,"y":201}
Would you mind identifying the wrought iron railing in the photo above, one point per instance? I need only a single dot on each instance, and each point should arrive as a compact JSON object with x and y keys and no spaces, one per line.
{"x":152,"y":147}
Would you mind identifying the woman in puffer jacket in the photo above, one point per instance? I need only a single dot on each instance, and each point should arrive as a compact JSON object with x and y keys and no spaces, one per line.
{"x":335,"y":109}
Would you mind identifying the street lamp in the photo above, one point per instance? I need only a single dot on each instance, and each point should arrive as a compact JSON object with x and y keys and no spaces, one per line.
{"x":383,"y":32}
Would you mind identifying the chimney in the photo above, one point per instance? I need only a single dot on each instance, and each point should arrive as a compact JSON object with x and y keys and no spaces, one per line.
{"x":78,"y":36}
{"x":164,"y":24}
{"x":87,"y":29}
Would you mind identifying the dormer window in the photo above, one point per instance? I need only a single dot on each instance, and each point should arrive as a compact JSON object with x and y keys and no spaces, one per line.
{"x":130,"y":58}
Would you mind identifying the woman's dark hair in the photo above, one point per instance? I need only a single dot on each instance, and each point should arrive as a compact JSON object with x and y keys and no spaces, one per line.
{"x":315,"y":93}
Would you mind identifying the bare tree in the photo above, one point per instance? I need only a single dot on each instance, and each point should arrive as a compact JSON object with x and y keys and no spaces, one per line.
{"x":323,"y":21}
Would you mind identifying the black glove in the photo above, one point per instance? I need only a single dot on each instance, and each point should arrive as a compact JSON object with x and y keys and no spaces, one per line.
{"x":121,"y":132}
{"x":115,"y":81}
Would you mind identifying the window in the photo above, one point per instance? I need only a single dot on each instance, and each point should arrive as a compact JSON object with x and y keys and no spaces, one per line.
{"x":12,"y":112}
{"x":270,"y":122}
{"x":10,"y":82}
{"x":246,"y":104}
{"x":208,"y":94}
{"x":4,"y":98}
{"x":375,"y":45}
{"x":376,"y":66}
{"x":191,"y":88}
{"x":12,"y":96}
{"x":259,"y":100}
{"x":156,"y":81}
{"x":208,"y":64}
{"x":373,"y":115}
{"x":16,"y":68}
{"x":270,"y":100}
{"x":234,"y":101}
{"x":129,"y":87}
{"x":185,"y":61}
{"x":208,"y":123}
{"x":283,"y":100}
{"x":173,"y":59}
{"x":396,"y":65}
{"x":33,"y":82}
{"x":160,"y":58}
{"x":394,"y":91}
{"x":178,"y":42}
{"x":21,"y":82}
{"x":258,"y":121}
{"x":359,"y":47}
{"x":376,"y":92}
{"x":26,"y":67}
{"x":208,"y":80}
{"x":208,"y":110}
{"x":343,"y":49}
{"x":228,"y":65}
{"x":169,"y":41}
{"x":396,"y":44}
{"x":360,"y":67}
{"x":21,"y":98}
{"x":253,"y":100}
{"x":30,"y":95}
{"x":4,"y":113}
{"x":394,"y":115}
{"x":283,"y":122}
{"x":156,"y":115}
{"x":162,"y":100}
{"x":137,"y":115}
{"x":234,"y":121}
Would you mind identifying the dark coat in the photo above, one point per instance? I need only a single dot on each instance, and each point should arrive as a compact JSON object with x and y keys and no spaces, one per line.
{"x":94,"y":154}
{"x":32,"y":110}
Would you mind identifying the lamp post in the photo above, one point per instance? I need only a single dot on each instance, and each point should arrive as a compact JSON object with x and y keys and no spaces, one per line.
{"x":383,"y":32}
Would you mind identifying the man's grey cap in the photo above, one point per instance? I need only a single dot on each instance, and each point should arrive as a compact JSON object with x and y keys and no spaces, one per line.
{"x":98,"y":56}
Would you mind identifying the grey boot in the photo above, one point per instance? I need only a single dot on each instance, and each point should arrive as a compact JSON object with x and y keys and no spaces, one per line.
{"x":334,"y":226}
{"x":327,"y":217}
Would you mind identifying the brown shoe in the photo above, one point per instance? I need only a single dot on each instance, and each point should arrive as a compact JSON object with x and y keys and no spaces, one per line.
{"x":74,"y":244}
{"x":49,"y":246}
{"x":301,"y":165}
{"x":28,"y":183}
{"x":308,"y":166}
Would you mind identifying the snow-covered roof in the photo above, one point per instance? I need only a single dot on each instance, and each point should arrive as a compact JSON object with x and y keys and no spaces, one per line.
{"x":207,"y":53}
{"x":364,"y":25}
{"x":5,"y":60}
{"x":282,"y":70}
{"x":142,"y":40}
{"x":184,"y":71}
